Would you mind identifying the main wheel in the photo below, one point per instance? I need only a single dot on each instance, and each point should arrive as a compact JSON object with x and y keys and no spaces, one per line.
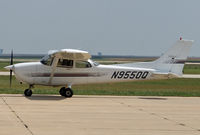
{"x":28,"y":92}
{"x":68,"y":93}
{"x":62,"y":91}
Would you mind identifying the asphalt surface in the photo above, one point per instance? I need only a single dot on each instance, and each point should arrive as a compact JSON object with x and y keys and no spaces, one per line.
{"x":5,"y":73}
{"x":99,"y":115}
{"x":191,"y":76}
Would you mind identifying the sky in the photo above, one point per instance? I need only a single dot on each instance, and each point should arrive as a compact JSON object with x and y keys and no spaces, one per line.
{"x":113,"y":27}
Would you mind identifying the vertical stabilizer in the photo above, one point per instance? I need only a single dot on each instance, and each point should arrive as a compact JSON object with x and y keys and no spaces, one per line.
{"x":171,"y":62}
{"x":174,"y":59}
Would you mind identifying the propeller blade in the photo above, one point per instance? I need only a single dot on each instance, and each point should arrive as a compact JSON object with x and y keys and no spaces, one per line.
{"x":11,"y":63}
{"x":10,"y":78}
{"x":11,"y":58}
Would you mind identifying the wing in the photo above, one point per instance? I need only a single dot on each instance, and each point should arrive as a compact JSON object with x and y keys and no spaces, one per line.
{"x":71,"y":54}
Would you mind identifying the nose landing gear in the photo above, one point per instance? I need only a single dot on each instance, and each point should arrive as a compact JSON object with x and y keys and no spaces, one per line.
{"x":66,"y":92}
{"x":28,"y":92}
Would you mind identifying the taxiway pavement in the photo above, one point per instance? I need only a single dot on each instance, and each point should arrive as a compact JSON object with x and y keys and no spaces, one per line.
{"x":99,"y":115}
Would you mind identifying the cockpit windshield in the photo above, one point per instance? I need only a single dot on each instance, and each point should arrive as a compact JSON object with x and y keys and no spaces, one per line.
{"x":47,"y":60}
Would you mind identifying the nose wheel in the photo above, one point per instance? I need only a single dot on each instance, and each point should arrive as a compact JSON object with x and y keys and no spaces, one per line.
{"x":28,"y":92}
{"x":66,"y":92}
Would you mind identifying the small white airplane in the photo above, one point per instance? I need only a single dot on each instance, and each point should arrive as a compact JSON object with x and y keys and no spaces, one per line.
{"x":67,"y":67}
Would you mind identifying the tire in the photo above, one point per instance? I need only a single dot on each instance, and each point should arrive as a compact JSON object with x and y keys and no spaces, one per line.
{"x":62,"y":91}
{"x":28,"y":92}
{"x":68,"y":93}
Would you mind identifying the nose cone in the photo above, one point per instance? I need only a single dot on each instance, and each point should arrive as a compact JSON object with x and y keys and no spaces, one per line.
{"x":9,"y":67}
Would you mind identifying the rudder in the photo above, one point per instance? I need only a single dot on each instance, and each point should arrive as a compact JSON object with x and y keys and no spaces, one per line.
{"x":171,"y":62}
{"x":174,"y":59}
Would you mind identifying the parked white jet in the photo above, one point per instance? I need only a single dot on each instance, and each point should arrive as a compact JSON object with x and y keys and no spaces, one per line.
{"x":68,"y":67}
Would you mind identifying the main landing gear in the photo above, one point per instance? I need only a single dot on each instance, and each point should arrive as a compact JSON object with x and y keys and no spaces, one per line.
{"x":28,"y":92}
{"x":66,"y":92}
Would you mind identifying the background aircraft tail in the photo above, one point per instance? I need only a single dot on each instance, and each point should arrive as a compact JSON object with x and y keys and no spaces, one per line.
{"x":171,"y":62}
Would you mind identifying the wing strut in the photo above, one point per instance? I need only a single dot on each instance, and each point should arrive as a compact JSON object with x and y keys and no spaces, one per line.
{"x":54,"y":64}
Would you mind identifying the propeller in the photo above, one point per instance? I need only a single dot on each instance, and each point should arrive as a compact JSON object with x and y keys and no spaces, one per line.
{"x":11,"y":63}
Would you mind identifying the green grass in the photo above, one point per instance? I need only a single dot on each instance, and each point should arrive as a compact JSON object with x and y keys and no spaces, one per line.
{"x":192,"y":69}
{"x":171,"y":87}
{"x":3,"y":64}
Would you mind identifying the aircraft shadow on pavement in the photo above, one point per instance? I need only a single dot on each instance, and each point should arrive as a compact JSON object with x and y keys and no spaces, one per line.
{"x":152,"y":98}
{"x":103,"y":97}
{"x":36,"y":97}
{"x":53,"y":97}
{"x":45,"y":97}
{"x":58,"y":97}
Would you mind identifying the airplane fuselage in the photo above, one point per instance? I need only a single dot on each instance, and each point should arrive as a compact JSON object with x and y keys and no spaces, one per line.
{"x":36,"y":73}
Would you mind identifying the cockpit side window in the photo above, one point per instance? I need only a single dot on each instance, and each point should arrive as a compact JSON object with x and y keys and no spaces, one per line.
{"x":47,"y":60}
{"x":83,"y":64}
{"x":65,"y":63}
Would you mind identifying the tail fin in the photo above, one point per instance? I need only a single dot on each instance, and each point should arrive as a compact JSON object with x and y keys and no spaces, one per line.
{"x":174,"y":59}
{"x":171,"y":62}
